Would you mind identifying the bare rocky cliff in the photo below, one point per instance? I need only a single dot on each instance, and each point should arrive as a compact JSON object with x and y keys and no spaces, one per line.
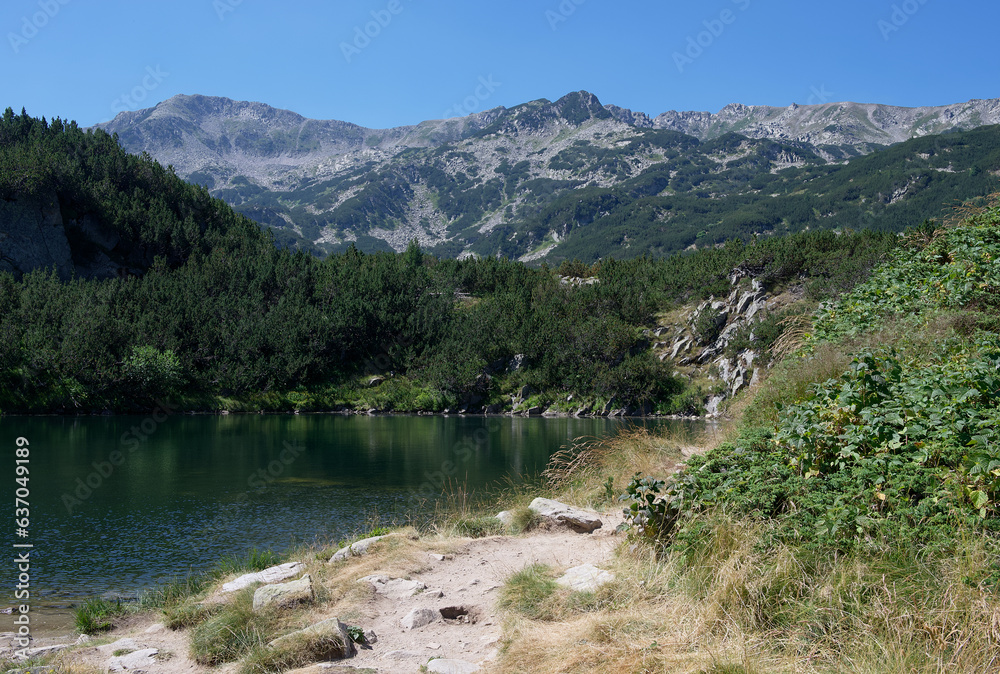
{"x":34,"y":234}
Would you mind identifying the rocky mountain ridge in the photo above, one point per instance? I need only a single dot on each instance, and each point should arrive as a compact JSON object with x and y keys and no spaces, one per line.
{"x":483,"y":184}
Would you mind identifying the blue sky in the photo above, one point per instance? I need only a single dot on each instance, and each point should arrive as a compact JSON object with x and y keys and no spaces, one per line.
{"x":384,"y":63}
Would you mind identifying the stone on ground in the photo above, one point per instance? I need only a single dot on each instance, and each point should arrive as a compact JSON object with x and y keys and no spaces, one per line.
{"x":583,"y":521}
{"x":273,"y":574}
{"x":329,"y":638}
{"x":419,"y":617}
{"x":355,"y":549}
{"x":137,"y":660}
{"x":395,"y":588}
{"x":585,"y":578}
{"x":125,"y":644}
{"x":443,"y":666}
{"x":284,"y":594}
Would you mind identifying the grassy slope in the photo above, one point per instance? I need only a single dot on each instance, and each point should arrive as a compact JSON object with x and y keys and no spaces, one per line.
{"x":831,"y":535}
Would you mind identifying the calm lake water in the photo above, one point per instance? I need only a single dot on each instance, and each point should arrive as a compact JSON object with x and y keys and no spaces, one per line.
{"x":188,"y":490}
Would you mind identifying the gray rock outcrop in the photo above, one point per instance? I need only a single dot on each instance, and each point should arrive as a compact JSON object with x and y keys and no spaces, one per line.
{"x":273,"y":574}
{"x":355,"y":549}
{"x":32,"y":236}
{"x":395,"y":588}
{"x":284,"y":594}
{"x":136,"y":660}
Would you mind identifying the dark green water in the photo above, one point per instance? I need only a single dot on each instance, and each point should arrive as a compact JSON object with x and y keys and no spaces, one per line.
{"x":188,"y":490}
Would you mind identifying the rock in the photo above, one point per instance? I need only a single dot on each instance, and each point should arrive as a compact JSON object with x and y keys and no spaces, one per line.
{"x":495,"y":408}
{"x":712,"y":407}
{"x":125,"y":644}
{"x":355,"y":549}
{"x":401,"y":655}
{"x":754,"y":308}
{"x":516,"y":363}
{"x":270,"y":575}
{"x":419,"y":617}
{"x":136,"y":660}
{"x":40,"y":651}
{"x":585,"y":578}
{"x":154,"y":628}
{"x":551,"y":412}
{"x":681,"y":345}
{"x":443,"y":666}
{"x":33,"y":237}
{"x":83,"y":639}
{"x":395,"y":588}
{"x":583,"y":521}
{"x":284,"y":594}
{"x":330,"y":668}
{"x":328,"y":639}
{"x":524,"y":392}
{"x":534,"y":411}
{"x":506,"y":517}
{"x":743,"y":303}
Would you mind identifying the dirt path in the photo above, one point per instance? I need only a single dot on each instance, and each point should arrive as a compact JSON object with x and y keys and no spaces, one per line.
{"x":463,"y":582}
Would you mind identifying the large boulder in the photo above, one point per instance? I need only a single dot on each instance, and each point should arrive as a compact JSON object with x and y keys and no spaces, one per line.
{"x":577,"y":519}
{"x":273,"y":574}
{"x":328,"y":640}
{"x":284,"y":594}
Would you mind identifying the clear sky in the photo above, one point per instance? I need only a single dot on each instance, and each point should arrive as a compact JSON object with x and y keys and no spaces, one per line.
{"x":383,"y":63}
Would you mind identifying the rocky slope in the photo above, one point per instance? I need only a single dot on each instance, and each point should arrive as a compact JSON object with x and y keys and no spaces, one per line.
{"x":481,"y":184}
{"x":862,"y":126}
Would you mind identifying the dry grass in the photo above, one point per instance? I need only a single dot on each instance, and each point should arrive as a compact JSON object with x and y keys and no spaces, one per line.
{"x":580,"y":473}
{"x":729,"y":608}
{"x":730,"y":604}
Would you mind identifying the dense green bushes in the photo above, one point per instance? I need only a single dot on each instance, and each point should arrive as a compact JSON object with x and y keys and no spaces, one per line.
{"x":903,"y":448}
{"x":209,"y":306}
